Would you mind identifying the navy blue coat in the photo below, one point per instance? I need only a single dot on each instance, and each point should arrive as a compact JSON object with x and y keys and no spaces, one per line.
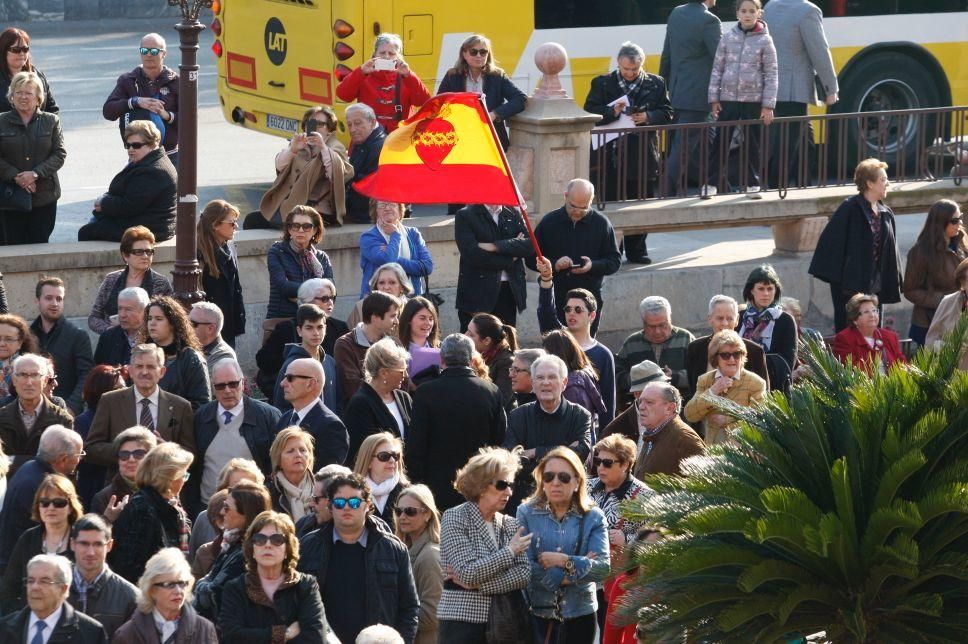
{"x":329,"y":432}
{"x":364,"y":158}
{"x":286,"y":275}
{"x":501,"y":96}
{"x":17,"y":503}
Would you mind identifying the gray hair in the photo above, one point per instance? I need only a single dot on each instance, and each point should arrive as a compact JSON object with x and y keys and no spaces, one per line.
{"x":61,"y":564}
{"x":456,"y":350}
{"x":584,"y":183}
{"x":363,"y":109}
{"x":140,"y":434}
{"x":167,"y":561}
{"x":669,"y":392}
{"x":401,"y":274}
{"x":383,"y":354}
{"x":788,"y":303}
{"x":32,"y":358}
{"x":716,"y":300}
{"x":379,"y":634}
{"x":331,"y":470}
{"x":553,"y":360}
{"x":388,"y":39}
{"x":57,"y":441}
{"x":654,"y":304}
{"x":228,"y":362}
{"x":528,"y":356}
{"x":308,"y":289}
{"x":631,"y":51}
{"x":213,"y":310}
{"x":135,"y":293}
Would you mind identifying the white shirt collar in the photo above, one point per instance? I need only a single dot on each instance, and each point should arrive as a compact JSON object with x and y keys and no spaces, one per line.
{"x":302,"y":413}
{"x":153,"y":397}
{"x":51,"y":621}
{"x":719,"y":374}
{"x":166,"y":627}
{"x":235,"y":411}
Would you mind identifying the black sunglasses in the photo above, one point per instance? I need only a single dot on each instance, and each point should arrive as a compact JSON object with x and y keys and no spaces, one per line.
{"x":259,"y":539}
{"x":21,"y":49}
{"x":577,"y":309}
{"x":955,"y":220}
{"x":142,"y":252}
{"x":606,"y":462}
{"x":477,"y":52}
{"x":500,"y":485}
{"x":292,"y":376}
{"x":383,"y":457}
{"x":137,"y":145}
{"x":297,"y":226}
{"x":60,"y":504}
{"x":231,"y":384}
{"x":410,"y":512}
{"x":726,"y":355}
{"x":136,"y":454}
{"x":563,"y":477}
{"x":195,"y":323}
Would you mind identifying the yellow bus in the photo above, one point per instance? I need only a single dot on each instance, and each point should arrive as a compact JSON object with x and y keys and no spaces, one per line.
{"x":277,"y":57}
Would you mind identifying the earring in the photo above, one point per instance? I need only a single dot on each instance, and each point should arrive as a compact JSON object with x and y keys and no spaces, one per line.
{"x":384,"y":382}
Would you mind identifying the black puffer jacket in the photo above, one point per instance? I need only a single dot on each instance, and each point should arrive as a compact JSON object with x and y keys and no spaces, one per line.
{"x":143,"y":193}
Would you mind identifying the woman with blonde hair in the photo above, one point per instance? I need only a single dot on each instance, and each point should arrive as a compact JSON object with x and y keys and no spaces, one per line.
{"x":379,"y":404}
{"x":291,"y":484}
{"x":165,"y":611}
{"x":220,"y":267}
{"x":418,"y":526}
{"x":569,"y":550}
{"x":380,"y":462}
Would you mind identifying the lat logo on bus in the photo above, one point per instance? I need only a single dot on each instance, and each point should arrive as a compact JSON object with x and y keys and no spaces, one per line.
{"x":275,"y":41}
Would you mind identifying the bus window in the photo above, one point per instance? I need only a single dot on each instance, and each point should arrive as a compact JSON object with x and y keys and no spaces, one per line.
{"x":563,"y":14}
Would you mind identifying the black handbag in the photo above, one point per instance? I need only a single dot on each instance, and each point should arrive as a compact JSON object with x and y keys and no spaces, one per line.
{"x":13,"y":197}
{"x":508,"y":621}
{"x":435,"y":298}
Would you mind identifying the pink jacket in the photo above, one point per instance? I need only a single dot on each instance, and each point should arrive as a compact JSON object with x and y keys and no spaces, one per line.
{"x":744,"y":69}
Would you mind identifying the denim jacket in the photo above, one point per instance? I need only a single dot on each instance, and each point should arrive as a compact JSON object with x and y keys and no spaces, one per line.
{"x":547,"y":597}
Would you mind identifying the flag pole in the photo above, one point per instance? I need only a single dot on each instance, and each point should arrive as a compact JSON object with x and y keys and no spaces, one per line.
{"x":522,"y":204}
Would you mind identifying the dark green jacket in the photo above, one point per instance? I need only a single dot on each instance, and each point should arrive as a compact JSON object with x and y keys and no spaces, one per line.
{"x":37,"y":146}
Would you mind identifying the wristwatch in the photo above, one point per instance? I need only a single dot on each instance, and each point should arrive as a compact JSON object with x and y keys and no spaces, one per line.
{"x":570,"y":567}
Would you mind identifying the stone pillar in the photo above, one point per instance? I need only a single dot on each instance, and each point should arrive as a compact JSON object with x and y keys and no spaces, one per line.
{"x":799,"y":236}
{"x":550,"y":139}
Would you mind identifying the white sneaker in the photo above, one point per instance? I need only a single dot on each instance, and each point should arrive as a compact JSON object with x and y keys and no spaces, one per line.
{"x":753,"y":192}
{"x":707,"y":192}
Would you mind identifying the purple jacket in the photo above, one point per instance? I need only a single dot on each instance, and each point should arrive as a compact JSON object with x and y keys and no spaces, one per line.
{"x":135,"y":83}
{"x":744,"y":69}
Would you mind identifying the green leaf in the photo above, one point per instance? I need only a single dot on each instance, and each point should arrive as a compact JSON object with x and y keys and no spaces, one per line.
{"x":774,"y":570}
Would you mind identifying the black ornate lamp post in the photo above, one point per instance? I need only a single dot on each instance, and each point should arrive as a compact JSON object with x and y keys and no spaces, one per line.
{"x":187,"y":272}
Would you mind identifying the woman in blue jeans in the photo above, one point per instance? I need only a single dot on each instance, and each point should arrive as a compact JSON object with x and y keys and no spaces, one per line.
{"x":568,"y":551}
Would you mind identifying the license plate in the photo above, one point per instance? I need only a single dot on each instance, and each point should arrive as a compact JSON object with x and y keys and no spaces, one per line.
{"x":281,"y":123}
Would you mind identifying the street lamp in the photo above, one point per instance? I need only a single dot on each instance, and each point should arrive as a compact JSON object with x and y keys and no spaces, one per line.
{"x":187,"y":273}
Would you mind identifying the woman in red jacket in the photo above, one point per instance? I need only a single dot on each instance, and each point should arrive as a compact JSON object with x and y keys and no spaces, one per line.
{"x":385,"y":83}
{"x":862,"y":341}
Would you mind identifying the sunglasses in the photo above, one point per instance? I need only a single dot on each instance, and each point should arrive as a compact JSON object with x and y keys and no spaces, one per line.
{"x":171,"y":585}
{"x":325,"y":299}
{"x":137,"y":145}
{"x":384,"y":457}
{"x":726,"y":355}
{"x":292,"y":376}
{"x":340,"y":503}
{"x":303,"y":227}
{"x":234,"y":223}
{"x":136,"y":454}
{"x":575,"y":309}
{"x":410,"y":512}
{"x":19,"y":49}
{"x":154,"y":51}
{"x":500,"y":485}
{"x":60,"y":504}
{"x":477,"y":52}
{"x":231,"y":384}
{"x":259,"y":539}
{"x":607,"y":463}
{"x":141,"y":252}
{"x":195,"y":323}
{"x":955,"y":220}
{"x":563,"y":477}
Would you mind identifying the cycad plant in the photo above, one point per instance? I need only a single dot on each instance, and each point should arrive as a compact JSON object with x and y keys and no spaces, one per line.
{"x":843,"y":510}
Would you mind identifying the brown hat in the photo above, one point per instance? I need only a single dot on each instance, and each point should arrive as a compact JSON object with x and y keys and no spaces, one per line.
{"x":644,"y":373}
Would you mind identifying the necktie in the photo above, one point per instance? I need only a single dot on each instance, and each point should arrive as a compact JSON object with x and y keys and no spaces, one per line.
{"x":39,"y":635}
{"x":227,"y":417}
{"x":294,"y":421}
{"x":146,"y":420}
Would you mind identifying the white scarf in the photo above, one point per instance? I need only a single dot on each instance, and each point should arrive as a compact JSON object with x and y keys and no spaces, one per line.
{"x":298,"y":496}
{"x":381,"y":491}
{"x":404,"y":241}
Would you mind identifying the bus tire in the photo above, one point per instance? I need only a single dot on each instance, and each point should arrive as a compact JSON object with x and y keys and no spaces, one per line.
{"x":884,"y":81}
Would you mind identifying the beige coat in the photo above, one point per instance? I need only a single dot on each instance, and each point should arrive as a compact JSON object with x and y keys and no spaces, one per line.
{"x":945,"y":318}
{"x":425,"y":560}
{"x":749,"y":390}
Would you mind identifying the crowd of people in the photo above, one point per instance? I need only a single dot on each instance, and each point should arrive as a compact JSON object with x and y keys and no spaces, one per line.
{"x":381,"y":479}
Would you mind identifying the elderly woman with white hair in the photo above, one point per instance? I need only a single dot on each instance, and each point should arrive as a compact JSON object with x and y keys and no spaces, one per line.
{"x":164,"y":610}
{"x":389,"y":278}
{"x":31,"y":152}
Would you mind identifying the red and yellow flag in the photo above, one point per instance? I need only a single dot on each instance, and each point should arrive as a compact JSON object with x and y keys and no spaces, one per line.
{"x":445,"y":153}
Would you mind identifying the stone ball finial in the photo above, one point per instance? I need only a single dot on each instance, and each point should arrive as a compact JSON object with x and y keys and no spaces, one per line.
{"x":550,"y":58}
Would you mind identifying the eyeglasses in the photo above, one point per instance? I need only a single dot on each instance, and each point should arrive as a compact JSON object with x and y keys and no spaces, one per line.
{"x":234,"y":223}
{"x":30,"y":581}
{"x":501,"y":485}
{"x":186,"y":476}
{"x":171,"y":585}
{"x":575,"y":309}
{"x":142,"y":252}
{"x":19,"y":49}
{"x":563,"y":477}
{"x":136,"y":454}
{"x":292,"y":376}
{"x":60,"y":504}
{"x":514,"y":370}
{"x":29,"y":376}
{"x":154,"y":51}
{"x":477,"y":52}
{"x":579,"y":209}
{"x":195,"y":323}
{"x":319,"y":498}
{"x":325,"y":299}
{"x":276,"y":539}
{"x":955,"y":221}
{"x":231,"y":384}
{"x":384,"y":457}
{"x":341,"y":503}
{"x":5,"y":340}
{"x":134,"y":145}
{"x":607,"y":463}
{"x":726,"y":355}
{"x":297,"y":226}
{"x":410,"y":512}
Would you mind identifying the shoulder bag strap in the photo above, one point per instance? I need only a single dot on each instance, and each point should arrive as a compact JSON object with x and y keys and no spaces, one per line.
{"x":397,"y":105}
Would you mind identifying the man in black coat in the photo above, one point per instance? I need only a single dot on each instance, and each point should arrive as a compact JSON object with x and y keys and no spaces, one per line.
{"x":68,"y":346}
{"x":492,"y":241}
{"x":453,"y":417}
{"x":366,"y":143}
{"x":47,"y":612}
{"x":580,"y":243}
{"x":646,"y":102}
{"x":302,"y":386}
{"x":114,"y":345}
{"x":723,"y":314}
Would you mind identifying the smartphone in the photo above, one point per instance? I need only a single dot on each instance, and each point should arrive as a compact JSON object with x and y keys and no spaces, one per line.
{"x":385,"y":64}
{"x":311,"y":126}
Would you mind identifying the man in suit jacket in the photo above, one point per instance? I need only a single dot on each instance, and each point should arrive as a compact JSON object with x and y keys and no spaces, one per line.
{"x":302,"y":385}
{"x":144,"y":403}
{"x":67,"y":345}
{"x":492,"y":241}
{"x":802,"y":56}
{"x":723,"y":314}
{"x":47,"y":613}
{"x":453,"y":417}
{"x":692,"y":36}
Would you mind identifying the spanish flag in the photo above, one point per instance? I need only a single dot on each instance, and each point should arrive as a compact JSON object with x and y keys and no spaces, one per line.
{"x":445,"y":153}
